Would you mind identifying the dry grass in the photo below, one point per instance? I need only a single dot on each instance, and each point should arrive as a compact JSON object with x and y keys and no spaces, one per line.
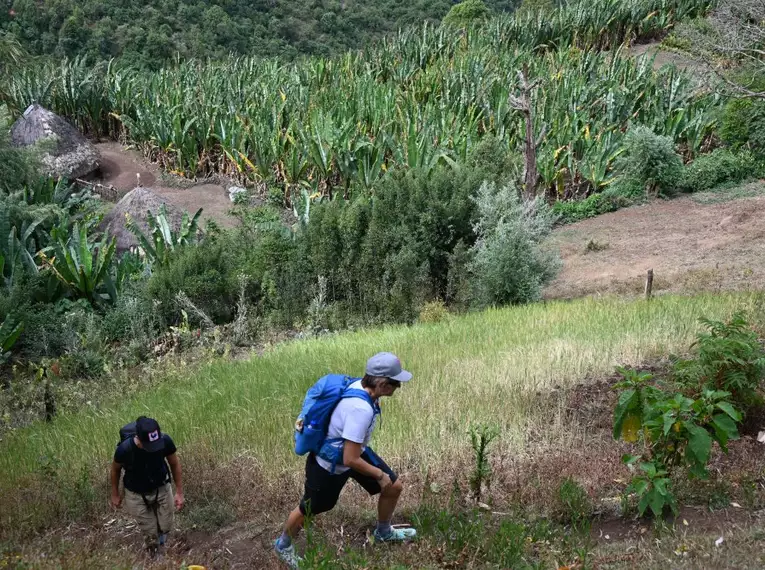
{"x":232,"y":421}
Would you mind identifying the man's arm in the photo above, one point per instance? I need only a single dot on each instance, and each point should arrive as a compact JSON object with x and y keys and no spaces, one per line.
{"x":352,"y":458}
{"x":115,"y":472}
{"x":175,"y":469}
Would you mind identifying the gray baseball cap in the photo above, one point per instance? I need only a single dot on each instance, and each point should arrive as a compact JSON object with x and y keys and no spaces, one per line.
{"x":387,"y":365}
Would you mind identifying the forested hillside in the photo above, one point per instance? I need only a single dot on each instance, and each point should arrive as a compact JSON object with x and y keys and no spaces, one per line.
{"x":151,"y":32}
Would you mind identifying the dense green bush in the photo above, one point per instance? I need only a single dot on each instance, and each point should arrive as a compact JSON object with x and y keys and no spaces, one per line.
{"x":509,"y":264}
{"x":727,"y":356}
{"x":619,"y":195}
{"x":275,"y":264}
{"x":743,"y":124}
{"x":575,"y":210}
{"x":202,"y":274}
{"x":650,"y":160}
{"x":719,"y":166}
{"x":466,"y":12}
{"x":383,"y":255}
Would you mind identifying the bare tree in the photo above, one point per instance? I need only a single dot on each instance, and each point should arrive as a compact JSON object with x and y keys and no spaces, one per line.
{"x":523,"y":102}
{"x":738,"y":34}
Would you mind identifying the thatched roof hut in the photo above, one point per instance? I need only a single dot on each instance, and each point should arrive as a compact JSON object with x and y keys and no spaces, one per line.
{"x":66,"y":153}
{"x":136,"y":203}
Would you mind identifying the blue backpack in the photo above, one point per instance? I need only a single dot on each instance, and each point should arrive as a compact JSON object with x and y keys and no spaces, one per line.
{"x":319,"y":403}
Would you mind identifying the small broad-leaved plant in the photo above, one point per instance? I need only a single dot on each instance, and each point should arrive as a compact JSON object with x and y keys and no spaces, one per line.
{"x":674,"y":430}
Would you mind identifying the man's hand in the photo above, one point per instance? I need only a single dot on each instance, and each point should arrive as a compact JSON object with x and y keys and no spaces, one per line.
{"x":385,"y":482}
{"x":178,"y":501}
{"x":116,"y":500}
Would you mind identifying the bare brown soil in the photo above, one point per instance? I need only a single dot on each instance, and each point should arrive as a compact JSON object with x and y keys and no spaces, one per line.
{"x":690,"y":245}
{"x":121,"y":167}
{"x":662,"y":57}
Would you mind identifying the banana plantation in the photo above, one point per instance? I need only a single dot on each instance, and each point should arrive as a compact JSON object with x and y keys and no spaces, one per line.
{"x":423,"y":98}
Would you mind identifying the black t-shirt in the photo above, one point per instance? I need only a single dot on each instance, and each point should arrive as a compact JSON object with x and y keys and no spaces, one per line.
{"x":144,"y":471}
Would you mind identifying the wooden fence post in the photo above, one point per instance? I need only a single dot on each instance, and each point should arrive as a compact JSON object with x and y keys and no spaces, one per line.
{"x":648,"y":285}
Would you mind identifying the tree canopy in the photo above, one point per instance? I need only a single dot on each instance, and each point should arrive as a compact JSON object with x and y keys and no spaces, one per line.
{"x":149,"y":33}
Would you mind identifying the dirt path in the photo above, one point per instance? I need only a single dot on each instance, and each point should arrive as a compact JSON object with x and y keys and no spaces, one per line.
{"x":121,"y":166}
{"x":662,"y":57}
{"x":695,"y":243}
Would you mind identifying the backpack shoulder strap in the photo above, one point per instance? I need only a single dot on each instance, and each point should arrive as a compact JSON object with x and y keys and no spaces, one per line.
{"x":362,"y":395}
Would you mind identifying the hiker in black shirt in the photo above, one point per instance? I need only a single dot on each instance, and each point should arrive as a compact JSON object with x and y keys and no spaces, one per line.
{"x":144,"y":452}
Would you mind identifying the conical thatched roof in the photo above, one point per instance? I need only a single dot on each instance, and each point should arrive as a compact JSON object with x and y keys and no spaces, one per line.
{"x":65,"y":152}
{"x":136,"y":203}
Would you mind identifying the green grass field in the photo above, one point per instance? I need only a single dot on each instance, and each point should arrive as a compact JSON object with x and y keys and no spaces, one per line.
{"x":485,"y":367}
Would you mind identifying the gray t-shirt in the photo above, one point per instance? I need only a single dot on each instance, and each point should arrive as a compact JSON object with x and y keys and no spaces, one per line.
{"x":352,"y":419}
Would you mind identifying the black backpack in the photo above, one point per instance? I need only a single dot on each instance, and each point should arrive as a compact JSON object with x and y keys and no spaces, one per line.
{"x":128,"y":431}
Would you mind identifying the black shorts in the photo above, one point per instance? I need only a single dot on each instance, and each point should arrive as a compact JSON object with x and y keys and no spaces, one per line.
{"x":322,"y":488}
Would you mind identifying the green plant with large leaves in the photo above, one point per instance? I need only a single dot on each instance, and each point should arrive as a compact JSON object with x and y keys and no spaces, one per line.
{"x":10,"y":330}
{"x":163,"y":241}
{"x":17,"y":247}
{"x":83,"y":266}
{"x":675,"y":430}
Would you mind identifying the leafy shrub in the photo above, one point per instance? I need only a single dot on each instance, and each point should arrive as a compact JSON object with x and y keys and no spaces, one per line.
{"x":509,"y":265}
{"x":17,"y":166}
{"x":621,"y":194}
{"x":650,"y":160}
{"x":39,"y":338}
{"x":203,"y":274}
{"x":433,"y":312}
{"x":679,"y":426}
{"x":676,"y":430}
{"x":384,"y":255}
{"x":133,"y":323}
{"x":85,"y":347}
{"x":719,"y":166}
{"x":466,"y":13}
{"x":727,"y":357}
{"x":743,"y":124}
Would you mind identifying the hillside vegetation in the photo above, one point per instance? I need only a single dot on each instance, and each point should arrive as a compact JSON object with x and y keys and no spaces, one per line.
{"x":403,"y":192}
{"x":392,"y":187}
{"x":152,"y":34}
{"x":422,"y":98}
{"x":484,"y":369}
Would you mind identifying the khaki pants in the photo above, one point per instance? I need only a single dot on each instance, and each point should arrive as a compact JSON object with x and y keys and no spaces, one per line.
{"x":157,"y":510}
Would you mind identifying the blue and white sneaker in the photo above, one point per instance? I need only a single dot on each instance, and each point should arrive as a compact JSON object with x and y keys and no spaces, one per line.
{"x":288,"y":555}
{"x":396,"y":534}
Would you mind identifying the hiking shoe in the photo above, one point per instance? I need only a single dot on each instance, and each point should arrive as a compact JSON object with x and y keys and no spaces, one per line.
{"x":396,"y":534}
{"x":288,"y":555}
